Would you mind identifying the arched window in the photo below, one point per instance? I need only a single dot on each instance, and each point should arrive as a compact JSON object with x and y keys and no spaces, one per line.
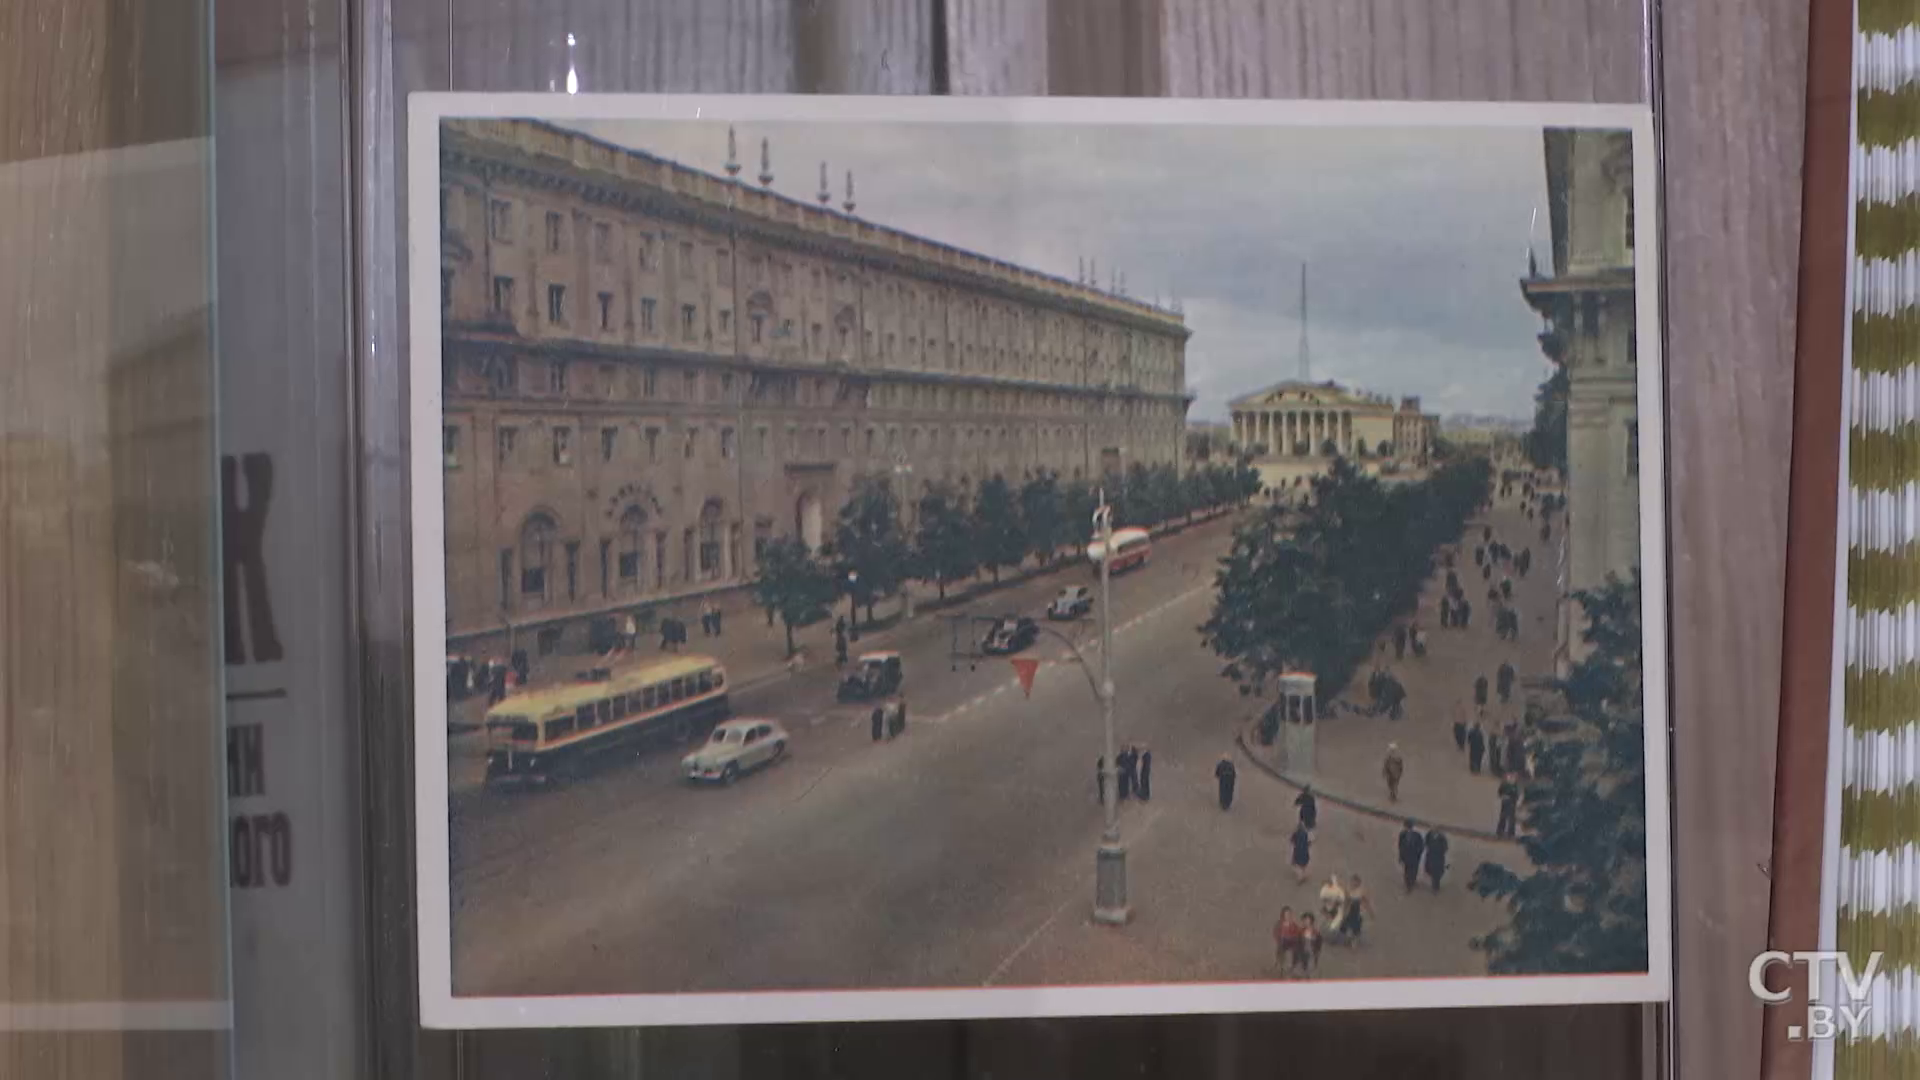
{"x":536,"y":556}
{"x":710,"y":516}
{"x":633,"y":524}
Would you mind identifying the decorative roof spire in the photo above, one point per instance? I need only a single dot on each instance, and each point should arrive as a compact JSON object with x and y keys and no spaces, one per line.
{"x":766,"y":163}
{"x":1080,"y":276}
{"x":733,"y":155}
{"x":848,"y":205}
{"x":825,"y":196}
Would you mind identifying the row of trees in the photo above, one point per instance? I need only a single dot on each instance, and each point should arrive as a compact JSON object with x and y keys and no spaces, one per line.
{"x":957,"y":533}
{"x":1313,"y":589}
{"x":1582,"y":908}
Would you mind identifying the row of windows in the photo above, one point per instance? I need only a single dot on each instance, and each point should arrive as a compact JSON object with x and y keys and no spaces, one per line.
{"x":799,"y":442}
{"x":639,"y":703}
{"x":762,"y":328}
{"x":703,"y":558}
{"x":643,"y":381}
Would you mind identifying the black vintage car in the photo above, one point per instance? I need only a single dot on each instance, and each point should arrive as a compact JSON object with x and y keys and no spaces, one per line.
{"x":1008,"y":636}
{"x":874,"y":675}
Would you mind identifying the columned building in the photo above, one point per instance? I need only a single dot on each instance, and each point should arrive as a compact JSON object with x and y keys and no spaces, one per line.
{"x":1304,"y":420}
{"x":1413,"y":432}
{"x":652,"y":371}
{"x":1586,"y":303}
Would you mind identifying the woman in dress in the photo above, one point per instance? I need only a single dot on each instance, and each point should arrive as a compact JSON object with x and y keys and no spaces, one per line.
{"x":1302,"y":852}
{"x":1359,"y":908}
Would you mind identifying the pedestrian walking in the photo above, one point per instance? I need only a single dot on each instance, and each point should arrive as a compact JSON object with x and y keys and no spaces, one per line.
{"x":1486,"y":533}
{"x":1486,"y":572}
{"x":1503,"y":680}
{"x":1359,"y":909}
{"x":897,"y":719}
{"x":1302,"y":852}
{"x":1146,"y":774}
{"x":1224,"y":774}
{"x":1417,"y":638}
{"x":1460,"y":725}
{"x":1309,"y":808}
{"x":630,"y":632}
{"x":497,"y":688}
{"x":1446,"y":613}
{"x":1400,"y":642}
{"x":1391,"y":770}
{"x":521,"y":668}
{"x":1462,"y":612}
{"x":1516,"y":755}
{"x":1309,"y":953}
{"x":1546,"y":532}
{"x":1476,"y":747}
{"x":1412,"y":847}
{"x":879,"y":723}
{"x":1286,"y":940}
{"x":840,"y":642}
{"x":1480,"y":556}
{"x":1129,"y":762}
{"x":1495,"y":763}
{"x":1333,"y":901}
{"x":1506,"y":588}
{"x":718,"y":615}
{"x":1508,"y":824}
{"x":1100,"y":780}
{"x":1480,"y":690}
{"x":1436,"y":857}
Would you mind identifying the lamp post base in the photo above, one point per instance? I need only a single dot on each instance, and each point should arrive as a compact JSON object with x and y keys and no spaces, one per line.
{"x":1110,"y":884}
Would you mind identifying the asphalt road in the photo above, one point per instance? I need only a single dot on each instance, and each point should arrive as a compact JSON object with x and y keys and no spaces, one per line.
{"x":917,"y":862}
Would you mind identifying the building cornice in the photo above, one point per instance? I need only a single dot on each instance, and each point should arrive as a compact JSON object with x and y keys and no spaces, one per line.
{"x":757,"y":214}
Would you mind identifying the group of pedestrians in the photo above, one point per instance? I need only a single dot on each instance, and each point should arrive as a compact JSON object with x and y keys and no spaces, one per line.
{"x":1503,"y":752}
{"x":1418,"y":852}
{"x":1133,"y":771}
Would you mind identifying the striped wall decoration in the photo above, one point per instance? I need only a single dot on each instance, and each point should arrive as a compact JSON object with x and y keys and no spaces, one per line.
{"x":1877,"y":894}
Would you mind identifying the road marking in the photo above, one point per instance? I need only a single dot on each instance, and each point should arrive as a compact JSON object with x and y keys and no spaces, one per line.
{"x":1057,"y":912}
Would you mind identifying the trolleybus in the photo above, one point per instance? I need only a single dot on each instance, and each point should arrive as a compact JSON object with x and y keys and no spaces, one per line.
{"x":538,"y":731}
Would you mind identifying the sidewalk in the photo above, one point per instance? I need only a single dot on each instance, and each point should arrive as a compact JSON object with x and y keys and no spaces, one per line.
{"x":1437,"y":786}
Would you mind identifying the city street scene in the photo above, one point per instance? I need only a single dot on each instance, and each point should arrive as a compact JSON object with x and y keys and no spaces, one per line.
{"x":992,"y":555}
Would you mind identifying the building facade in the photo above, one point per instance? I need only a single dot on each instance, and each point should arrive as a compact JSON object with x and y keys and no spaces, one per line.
{"x":651,"y":371}
{"x":1586,"y":303}
{"x":1298,"y":420}
{"x":1413,"y":432}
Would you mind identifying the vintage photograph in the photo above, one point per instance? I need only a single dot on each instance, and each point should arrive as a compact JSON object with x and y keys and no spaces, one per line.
{"x":932,"y":558}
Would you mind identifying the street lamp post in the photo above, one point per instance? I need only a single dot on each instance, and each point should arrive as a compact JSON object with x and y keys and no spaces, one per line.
{"x":853,"y":605}
{"x":1110,"y":857}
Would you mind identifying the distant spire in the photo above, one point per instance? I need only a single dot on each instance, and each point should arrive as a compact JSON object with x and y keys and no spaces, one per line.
{"x":766,"y":163}
{"x":825,"y":196}
{"x":1093,"y":273}
{"x":848,"y":205}
{"x":1306,"y":358}
{"x":1080,"y":277}
{"x":733,"y":154}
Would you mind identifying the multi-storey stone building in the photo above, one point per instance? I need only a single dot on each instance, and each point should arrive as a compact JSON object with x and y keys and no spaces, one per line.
{"x":1298,"y":419}
{"x":650,"y":371}
{"x":1587,"y":304}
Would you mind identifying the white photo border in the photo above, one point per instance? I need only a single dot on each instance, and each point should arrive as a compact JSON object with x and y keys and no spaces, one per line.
{"x":440,"y":1008}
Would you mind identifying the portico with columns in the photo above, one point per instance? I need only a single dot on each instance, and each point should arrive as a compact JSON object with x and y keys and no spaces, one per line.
{"x":1297,"y":419}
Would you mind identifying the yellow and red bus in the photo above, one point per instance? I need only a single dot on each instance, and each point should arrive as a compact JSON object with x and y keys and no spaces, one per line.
{"x":1131,"y":547}
{"x":679,"y":697}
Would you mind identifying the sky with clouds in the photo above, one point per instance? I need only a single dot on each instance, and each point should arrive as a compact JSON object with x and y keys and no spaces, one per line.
{"x":1415,"y":238}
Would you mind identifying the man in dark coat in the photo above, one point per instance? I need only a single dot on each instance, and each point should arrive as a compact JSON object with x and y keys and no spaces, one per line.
{"x":1412,"y":847}
{"x":1400,"y":642}
{"x":1476,"y":747}
{"x":1504,"y":681}
{"x":1146,"y":775}
{"x":497,"y":688}
{"x":520,"y":665}
{"x":1100,"y":779}
{"x":1480,"y":556}
{"x":1225,"y":774}
{"x":1460,"y":726}
{"x":879,"y":722}
{"x":840,"y":641}
{"x":1436,"y":856}
{"x":1462,"y":612}
{"x":1309,"y":809}
{"x":1480,"y":690}
{"x":1509,"y":809}
{"x":1495,"y":763}
{"x":1486,"y":534}
{"x":1516,"y":755}
{"x":1127,"y":763}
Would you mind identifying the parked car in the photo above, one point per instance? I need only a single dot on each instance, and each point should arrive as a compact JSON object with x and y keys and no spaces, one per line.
{"x":874,"y":675}
{"x":1073,"y":602}
{"x":1008,"y":636}
{"x":735,"y":747}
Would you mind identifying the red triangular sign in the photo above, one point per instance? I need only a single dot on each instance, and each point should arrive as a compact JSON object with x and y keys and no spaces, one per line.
{"x":1025,"y":667}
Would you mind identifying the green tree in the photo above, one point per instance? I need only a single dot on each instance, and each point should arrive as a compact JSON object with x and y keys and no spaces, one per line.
{"x":943,"y":546}
{"x":1078,"y":500}
{"x":1168,"y":496}
{"x":1043,"y":508}
{"x":1582,"y":907}
{"x":1547,"y":443}
{"x":999,"y":535}
{"x":870,"y":549}
{"x":792,"y":584}
{"x":1197,"y":492}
